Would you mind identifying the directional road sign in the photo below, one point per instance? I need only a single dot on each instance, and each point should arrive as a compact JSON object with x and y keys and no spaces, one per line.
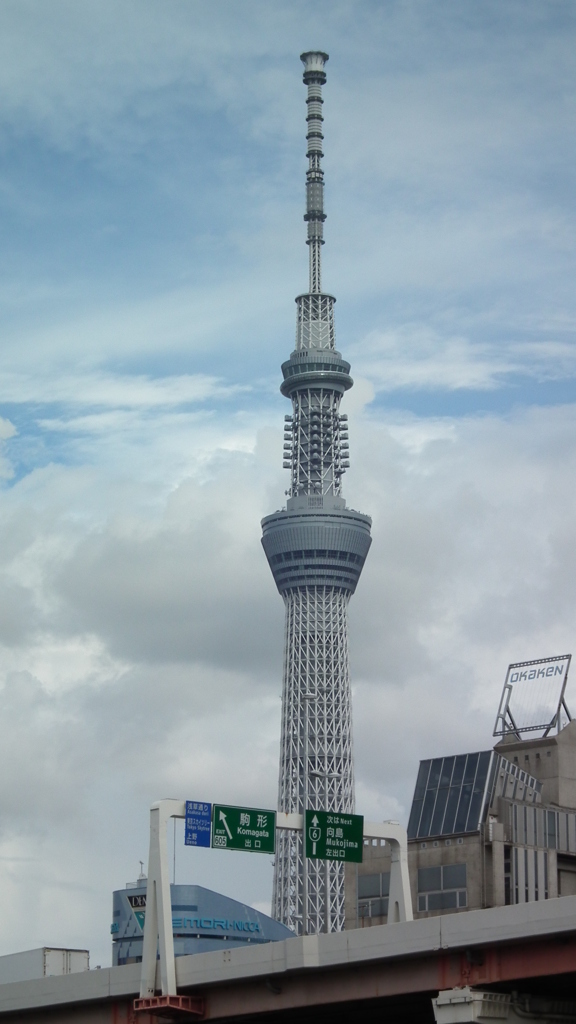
{"x":197,"y":823}
{"x":334,"y":836}
{"x":243,"y":828}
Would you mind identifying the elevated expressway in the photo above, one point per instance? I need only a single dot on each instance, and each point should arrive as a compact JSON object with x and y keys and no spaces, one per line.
{"x":508,"y":963}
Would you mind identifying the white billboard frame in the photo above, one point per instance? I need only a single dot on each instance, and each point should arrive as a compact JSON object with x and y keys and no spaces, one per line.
{"x":506,"y":723}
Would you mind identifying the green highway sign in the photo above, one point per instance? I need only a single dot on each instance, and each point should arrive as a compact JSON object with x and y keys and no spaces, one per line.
{"x":334,"y":836}
{"x":243,"y":828}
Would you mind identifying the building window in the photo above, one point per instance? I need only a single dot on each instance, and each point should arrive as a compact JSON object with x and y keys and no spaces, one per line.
{"x":515,"y":859}
{"x":450,"y":795}
{"x":526,"y":888}
{"x":507,"y":875}
{"x":550,"y":828}
{"x":373,"y":891}
{"x":442,"y":888}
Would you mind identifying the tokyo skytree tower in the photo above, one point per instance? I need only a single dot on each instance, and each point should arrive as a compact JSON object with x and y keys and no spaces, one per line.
{"x":316,"y":548}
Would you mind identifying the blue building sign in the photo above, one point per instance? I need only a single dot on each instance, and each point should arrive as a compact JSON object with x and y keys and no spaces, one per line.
{"x":197,"y":823}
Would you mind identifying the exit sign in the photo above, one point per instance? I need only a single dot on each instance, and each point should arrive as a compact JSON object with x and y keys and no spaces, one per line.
{"x":331,"y":835}
{"x":243,"y":828}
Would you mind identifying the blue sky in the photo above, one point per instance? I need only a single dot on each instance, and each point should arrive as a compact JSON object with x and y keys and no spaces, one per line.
{"x":151,"y":195}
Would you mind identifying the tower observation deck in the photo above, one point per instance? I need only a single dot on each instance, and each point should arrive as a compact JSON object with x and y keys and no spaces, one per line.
{"x":316,"y":549}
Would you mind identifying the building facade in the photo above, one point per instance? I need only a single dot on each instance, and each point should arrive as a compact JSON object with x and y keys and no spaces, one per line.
{"x":487,"y":829}
{"x":202,"y":921}
{"x":316,"y":549}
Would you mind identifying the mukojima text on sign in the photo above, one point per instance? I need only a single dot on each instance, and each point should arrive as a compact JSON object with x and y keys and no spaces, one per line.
{"x":334,"y":836}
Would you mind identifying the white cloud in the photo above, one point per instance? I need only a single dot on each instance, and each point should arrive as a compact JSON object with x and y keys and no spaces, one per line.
{"x":151,"y":663}
{"x":423,"y":358}
{"x":116,"y":390}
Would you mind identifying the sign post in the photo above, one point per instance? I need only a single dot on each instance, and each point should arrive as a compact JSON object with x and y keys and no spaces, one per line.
{"x":331,"y":835}
{"x":243,"y":828}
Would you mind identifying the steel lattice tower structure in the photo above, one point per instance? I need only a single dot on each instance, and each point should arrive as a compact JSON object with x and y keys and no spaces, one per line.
{"x":316,"y":548}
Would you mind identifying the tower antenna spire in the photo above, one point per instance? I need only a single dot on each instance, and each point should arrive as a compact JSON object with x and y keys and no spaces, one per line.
{"x":314,"y":78}
{"x":316,"y":548}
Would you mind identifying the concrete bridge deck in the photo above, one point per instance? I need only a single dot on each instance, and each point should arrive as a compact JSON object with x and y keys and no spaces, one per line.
{"x":390,"y":971}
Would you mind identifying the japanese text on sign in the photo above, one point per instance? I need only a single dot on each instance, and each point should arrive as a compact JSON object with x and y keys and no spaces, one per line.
{"x":198,"y":823}
{"x":334,"y":836}
{"x":243,"y":828}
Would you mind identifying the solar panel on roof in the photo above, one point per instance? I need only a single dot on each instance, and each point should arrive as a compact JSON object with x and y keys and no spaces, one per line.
{"x":451,"y":795}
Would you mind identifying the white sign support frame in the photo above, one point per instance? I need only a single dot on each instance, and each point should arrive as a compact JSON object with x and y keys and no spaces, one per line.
{"x":158,"y":933}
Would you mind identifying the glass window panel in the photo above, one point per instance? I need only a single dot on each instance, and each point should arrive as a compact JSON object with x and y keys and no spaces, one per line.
{"x":368,"y":885}
{"x":458,"y":773}
{"x":385,"y":883}
{"x":551,"y":843}
{"x":484,"y":763}
{"x":435,"y":769}
{"x":379,"y":908}
{"x":451,"y":808}
{"x":438,"y":816}
{"x":414,"y":819}
{"x":421,"y":903}
{"x":563,"y":832}
{"x":424,"y":828}
{"x":470,"y":770}
{"x":446,"y":773}
{"x":515,"y":830}
{"x":448,"y":809}
{"x":429,"y":879}
{"x":462,"y":900}
{"x":454,"y":876}
{"x":435,"y":901}
{"x":475,"y":809}
{"x":422,"y":779}
{"x":448,"y":900}
{"x":463,"y":809}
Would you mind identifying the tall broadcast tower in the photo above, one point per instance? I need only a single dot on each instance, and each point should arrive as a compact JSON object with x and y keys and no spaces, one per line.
{"x":316,"y":548}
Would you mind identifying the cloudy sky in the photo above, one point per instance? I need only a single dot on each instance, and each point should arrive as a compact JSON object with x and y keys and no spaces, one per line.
{"x":151,"y":192}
